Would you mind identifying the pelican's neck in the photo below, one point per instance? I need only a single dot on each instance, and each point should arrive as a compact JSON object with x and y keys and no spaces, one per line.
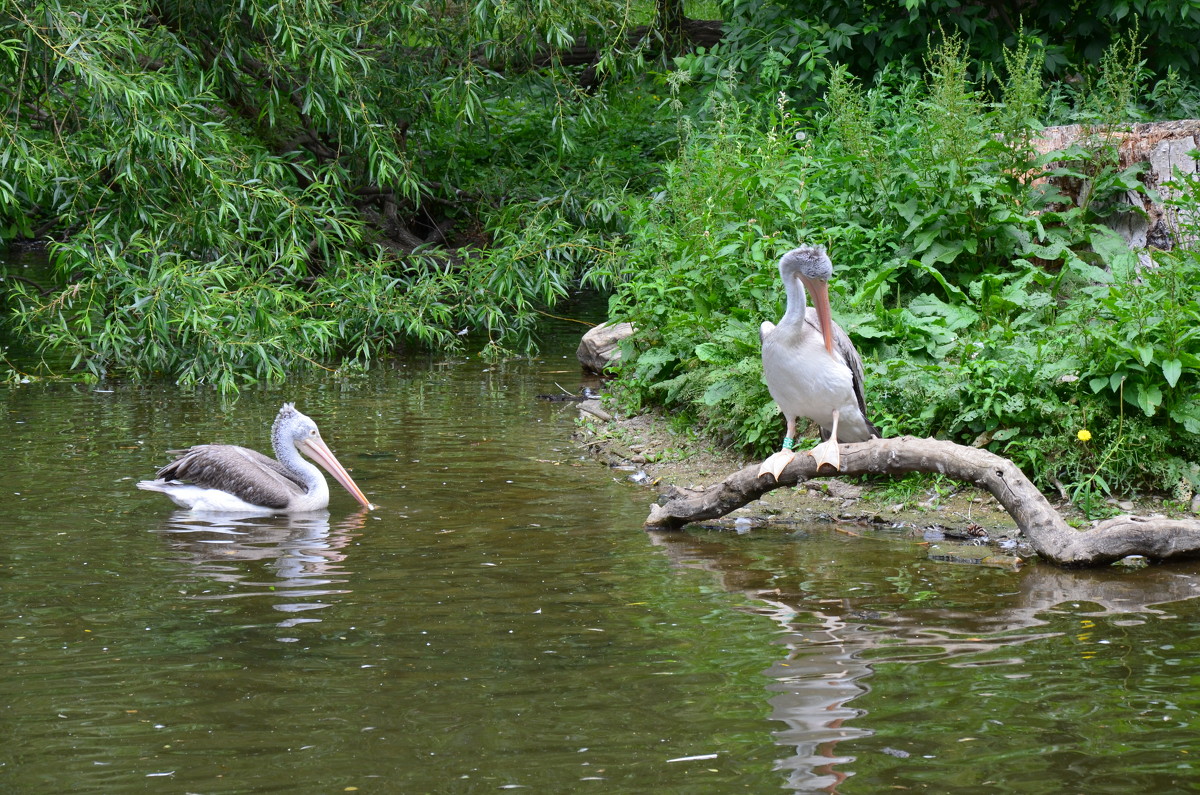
{"x":287,"y":454}
{"x":797,"y":302}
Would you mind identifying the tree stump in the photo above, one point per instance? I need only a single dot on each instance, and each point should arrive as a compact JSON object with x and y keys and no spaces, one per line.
{"x":1045,"y":530}
{"x":1163,"y":147}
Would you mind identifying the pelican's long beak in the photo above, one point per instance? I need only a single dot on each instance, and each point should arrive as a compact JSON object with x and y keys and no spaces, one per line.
{"x":317,"y":450}
{"x":819,"y":290}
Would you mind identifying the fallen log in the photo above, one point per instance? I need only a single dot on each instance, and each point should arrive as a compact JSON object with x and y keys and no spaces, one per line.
{"x":1045,"y":530}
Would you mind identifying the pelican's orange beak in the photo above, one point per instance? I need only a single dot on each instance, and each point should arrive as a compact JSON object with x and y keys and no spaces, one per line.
{"x":819,"y":290}
{"x":318,"y":451}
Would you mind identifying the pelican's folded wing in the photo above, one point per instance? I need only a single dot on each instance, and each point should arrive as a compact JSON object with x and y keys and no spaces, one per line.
{"x":245,"y":473}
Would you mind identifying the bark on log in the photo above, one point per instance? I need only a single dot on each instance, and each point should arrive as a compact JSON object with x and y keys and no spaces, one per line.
{"x":1044,"y":528}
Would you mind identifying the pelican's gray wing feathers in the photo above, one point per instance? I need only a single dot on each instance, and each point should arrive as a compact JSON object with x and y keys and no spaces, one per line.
{"x":244,"y":473}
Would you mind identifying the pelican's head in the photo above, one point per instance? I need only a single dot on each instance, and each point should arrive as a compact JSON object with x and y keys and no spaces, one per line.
{"x":291,"y":425}
{"x":811,"y":265}
{"x":299,"y":430}
{"x":808,"y":263}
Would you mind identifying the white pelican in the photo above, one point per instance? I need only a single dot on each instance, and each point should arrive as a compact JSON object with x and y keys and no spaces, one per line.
{"x":810,"y":365}
{"x":227,"y":478}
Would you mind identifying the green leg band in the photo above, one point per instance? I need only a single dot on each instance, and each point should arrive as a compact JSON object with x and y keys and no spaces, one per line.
{"x":788,"y":443}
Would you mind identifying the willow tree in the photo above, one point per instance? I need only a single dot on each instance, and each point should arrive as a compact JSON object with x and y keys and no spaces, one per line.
{"x":238,"y":187}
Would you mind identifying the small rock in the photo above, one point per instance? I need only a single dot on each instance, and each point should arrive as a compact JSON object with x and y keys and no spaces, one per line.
{"x":601,"y":346}
{"x":843,"y":491}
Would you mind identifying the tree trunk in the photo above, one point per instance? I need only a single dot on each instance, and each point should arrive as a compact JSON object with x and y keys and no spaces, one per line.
{"x":1046,"y":531}
{"x":668,"y":20}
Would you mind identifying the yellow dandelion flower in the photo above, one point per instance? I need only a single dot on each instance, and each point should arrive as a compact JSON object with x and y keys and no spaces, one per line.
{"x":1084,"y":435}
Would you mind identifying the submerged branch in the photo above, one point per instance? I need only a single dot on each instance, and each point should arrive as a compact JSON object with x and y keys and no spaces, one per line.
{"x":1044,"y":528}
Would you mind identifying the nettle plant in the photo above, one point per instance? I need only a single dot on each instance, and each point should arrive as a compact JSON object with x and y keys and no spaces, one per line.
{"x":1140,"y":340}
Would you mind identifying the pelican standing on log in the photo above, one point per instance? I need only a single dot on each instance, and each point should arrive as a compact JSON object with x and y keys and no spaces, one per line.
{"x":811,"y":367}
{"x":225,"y":477}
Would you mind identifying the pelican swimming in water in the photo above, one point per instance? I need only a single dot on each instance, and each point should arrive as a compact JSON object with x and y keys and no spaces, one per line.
{"x":811,"y":368}
{"x":225,"y":477}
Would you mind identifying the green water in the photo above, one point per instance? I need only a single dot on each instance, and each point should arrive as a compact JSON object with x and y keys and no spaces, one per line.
{"x":502,"y":621}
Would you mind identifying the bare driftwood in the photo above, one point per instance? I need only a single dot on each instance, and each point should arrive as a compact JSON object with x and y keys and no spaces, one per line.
{"x":1046,"y":531}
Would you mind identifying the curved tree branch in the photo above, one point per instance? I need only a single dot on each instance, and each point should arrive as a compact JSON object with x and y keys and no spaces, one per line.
{"x":1046,"y":531}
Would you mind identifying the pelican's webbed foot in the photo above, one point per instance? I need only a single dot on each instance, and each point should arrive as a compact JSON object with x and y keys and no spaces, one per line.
{"x":776,"y":463}
{"x":827,"y":452}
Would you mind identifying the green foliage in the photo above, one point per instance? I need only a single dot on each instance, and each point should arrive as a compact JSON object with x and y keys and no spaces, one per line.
{"x":171,"y":307}
{"x":793,"y":45}
{"x":990,"y":309}
{"x":1142,"y":329}
{"x":234,"y":184}
{"x":697,"y":274}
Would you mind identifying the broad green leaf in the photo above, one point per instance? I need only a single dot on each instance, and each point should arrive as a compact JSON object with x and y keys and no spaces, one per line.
{"x":719,"y":392}
{"x":1148,"y":398}
{"x":942,"y":252}
{"x":956,"y":316}
{"x":1172,"y":369}
{"x":710,"y":352}
{"x":952,"y":290}
{"x":1187,"y":414}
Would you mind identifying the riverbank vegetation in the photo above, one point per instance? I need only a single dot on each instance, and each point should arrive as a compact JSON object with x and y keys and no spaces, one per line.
{"x":235,"y":189}
{"x":990,"y":309}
